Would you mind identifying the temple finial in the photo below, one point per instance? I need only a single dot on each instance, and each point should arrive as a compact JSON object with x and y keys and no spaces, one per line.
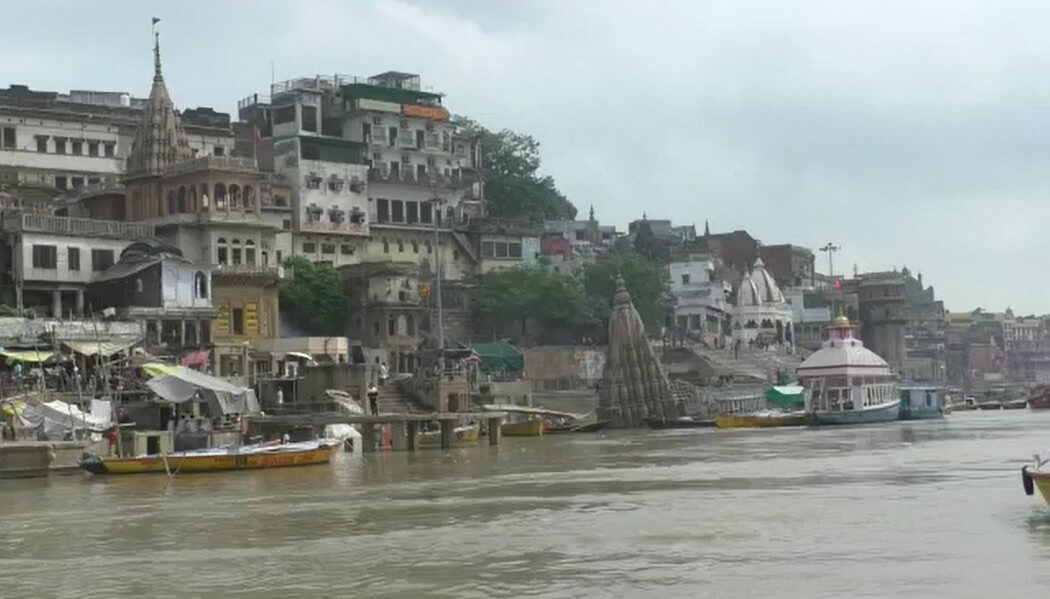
{"x":156,"y":57}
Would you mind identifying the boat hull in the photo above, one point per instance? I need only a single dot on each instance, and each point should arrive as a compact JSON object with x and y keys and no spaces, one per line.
{"x":884,"y":413}
{"x":662,"y":423}
{"x":759,"y":421}
{"x":209,"y":462}
{"x":922,"y":413}
{"x":461,"y":437}
{"x":1018,"y":404}
{"x":1041,"y":402}
{"x":529,"y":428}
{"x":1040,"y":480}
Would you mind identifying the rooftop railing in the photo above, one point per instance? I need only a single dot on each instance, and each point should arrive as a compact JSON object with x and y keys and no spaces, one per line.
{"x":83,"y":227}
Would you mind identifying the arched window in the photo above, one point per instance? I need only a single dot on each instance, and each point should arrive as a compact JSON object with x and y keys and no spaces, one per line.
{"x":235,"y":196}
{"x":200,"y":285}
{"x":249,"y":198}
{"x":235,"y":251}
{"x":171,"y":202}
{"x":182,"y":200}
{"x":249,"y":252}
{"x":220,"y":196}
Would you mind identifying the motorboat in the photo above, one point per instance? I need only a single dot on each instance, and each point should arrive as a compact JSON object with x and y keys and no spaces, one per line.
{"x":273,"y":454}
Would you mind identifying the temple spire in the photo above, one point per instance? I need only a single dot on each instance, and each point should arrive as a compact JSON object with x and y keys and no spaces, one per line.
{"x":707,"y":228}
{"x":157,"y":76}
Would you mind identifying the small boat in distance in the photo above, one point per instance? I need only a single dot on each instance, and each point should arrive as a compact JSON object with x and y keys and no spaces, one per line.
{"x":968,"y":404}
{"x":533,"y":427}
{"x":762,"y":419}
{"x":848,"y":383}
{"x":244,"y":457}
{"x":462,"y":436}
{"x":1015,"y":404}
{"x":681,"y":422}
{"x":990,"y":405}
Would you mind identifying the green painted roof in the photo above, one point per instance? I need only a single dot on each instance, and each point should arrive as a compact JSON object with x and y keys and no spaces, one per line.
{"x":390,"y":94}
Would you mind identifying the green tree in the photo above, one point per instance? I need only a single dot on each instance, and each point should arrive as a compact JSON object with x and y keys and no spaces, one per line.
{"x":515,"y":295}
{"x":645,"y":280}
{"x":315,"y":298}
{"x":513,"y":188}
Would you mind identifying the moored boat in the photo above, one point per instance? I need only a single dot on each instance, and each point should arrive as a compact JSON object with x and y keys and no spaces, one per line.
{"x":575,"y":427}
{"x":246,"y":457}
{"x":1015,"y":404}
{"x":533,"y":427}
{"x":968,"y":404}
{"x":848,"y":383}
{"x":591,"y":427}
{"x":763,"y":419}
{"x":990,"y":405}
{"x":682,"y":422}
{"x":461,"y":436}
{"x":1037,"y":477}
{"x":1040,"y":399}
{"x":922,"y":402}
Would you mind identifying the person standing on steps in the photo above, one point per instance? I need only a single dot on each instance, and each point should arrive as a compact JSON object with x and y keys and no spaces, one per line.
{"x":384,"y":373}
{"x":373,"y":400}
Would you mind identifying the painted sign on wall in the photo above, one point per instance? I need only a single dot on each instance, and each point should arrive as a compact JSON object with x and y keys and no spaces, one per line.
{"x":434,"y":113}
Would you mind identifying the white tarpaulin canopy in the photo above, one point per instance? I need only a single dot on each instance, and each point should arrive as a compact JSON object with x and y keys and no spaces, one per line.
{"x":103,"y":348}
{"x":178,"y":384}
{"x":58,"y":417}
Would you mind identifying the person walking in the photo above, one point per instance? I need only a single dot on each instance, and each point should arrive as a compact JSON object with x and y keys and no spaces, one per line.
{"x":373,"y":400}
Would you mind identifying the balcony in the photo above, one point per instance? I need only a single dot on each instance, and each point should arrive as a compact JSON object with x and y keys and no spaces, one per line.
{"x":460,"y":178}
{"x":77,"y":227}
{"x":215,"y":163}
{"x":78,"y":163}
{"x":251,"y":271}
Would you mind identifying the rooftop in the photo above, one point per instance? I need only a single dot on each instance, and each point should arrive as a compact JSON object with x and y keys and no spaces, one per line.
{"x":77,"y":227}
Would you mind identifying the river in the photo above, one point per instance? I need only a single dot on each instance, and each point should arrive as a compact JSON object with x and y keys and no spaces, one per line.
{"x":924,"y":509}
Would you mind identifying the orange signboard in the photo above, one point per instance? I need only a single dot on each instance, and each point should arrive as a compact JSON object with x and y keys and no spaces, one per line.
{"x":434,"y":113}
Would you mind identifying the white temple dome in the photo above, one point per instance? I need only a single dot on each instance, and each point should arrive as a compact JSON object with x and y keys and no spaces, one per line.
{"x":758,"y":288}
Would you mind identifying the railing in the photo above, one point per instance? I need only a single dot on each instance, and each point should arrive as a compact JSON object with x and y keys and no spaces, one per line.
{"x":86,"y":227}
{"x":459,"y":177}
{"x":261,"y":270}
{"x":252,"y":100}
{"x":235,"y":163}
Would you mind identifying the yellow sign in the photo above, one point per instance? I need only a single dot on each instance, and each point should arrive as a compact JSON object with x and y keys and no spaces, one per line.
{"x":222,"y":321}
{"x":251,"y":318}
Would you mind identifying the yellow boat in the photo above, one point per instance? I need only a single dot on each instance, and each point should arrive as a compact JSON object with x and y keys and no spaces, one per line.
{"x":218,"y":460}
{"x":761,"y":420}
{"x":461,"y":436}
{"x":1039,"y":479}
{"x":532,"y":427}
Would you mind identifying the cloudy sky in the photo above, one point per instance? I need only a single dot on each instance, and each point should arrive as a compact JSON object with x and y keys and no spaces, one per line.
{"x":909,"y":133}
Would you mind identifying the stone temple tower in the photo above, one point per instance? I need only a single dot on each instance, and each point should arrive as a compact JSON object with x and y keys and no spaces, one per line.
{"x":883,"y":313}
{"x":634,"y":385}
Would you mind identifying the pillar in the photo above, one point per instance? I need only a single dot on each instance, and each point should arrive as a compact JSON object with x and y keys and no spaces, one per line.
{"x":495,"y":431}
{"x":368,"y":437}
{"x":412,"y":429}
{"x":56,"y":304}
{"x":80,"y":302}
{"x":397,"y":436}
{"x":447,"y":427}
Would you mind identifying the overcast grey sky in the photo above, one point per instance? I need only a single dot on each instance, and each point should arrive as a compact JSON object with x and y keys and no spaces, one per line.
{"x":911,"y":133}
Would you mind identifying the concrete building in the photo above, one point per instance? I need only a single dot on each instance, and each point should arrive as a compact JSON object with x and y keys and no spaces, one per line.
{"x":883,"y":314}
{"x":924,"y":334}
{"x":1026,"y":348}
{"x":389,"y":309}
{"x":790,"y":265}
{"x":580,"y":240}
{"x":699,"y":299}
{"x":46,"y":261}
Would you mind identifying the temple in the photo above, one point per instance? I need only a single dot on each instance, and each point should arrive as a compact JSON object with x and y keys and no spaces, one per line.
{"x":634,"y":385}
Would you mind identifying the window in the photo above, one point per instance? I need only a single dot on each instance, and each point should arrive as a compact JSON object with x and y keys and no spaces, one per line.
{"x":110,"y":150}
{"x":400,"y":245}
{"x":60,"y":145}
{"x":421,"y":171}
{"x":309,"y":247}
{"x":346,"y":249}
{"x":223,"y":255}
{"x":327,"y":248}
{"x":286,"y":224}
{"x":488,"y":249}
{"x":415,"y":246}
{"x":9,"y":138}
{"x":73,"y":258}
{"x":93,"y":180}
{"x":425,"y":213}
{"x":60,"y":182}
{"x":375,"y":329}
{"x":685,"y":279}
{"x":514,"y":249}
{"x":238,"y":321}
{"x":386,"y":246}
{"x":412,"y":212}
{"x":430,"y":249}
{"x":138,"y":285}
{"x":280,"y":257}
{"x":397,"y":211}
{"x":249,"y":252}
{"x":41,"y":144}
{"x":78,"y":182}
{"x":391,"y":326}
{"x":200,"y":284}
{"x":101,"y":260}
{"x":309,"y":118}
{"x":78,"y":147}
{"x":45,"y":256}
{"x":235,"y":253}
{"x":383,"y":210}
{"x":501,"y":250}
{"x":92,"y":148}
{"x":218,"y":151}
{"x":284,"y":114}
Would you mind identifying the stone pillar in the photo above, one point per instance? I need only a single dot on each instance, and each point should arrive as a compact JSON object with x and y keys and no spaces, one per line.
{"x":56,"y":304}
{"x":397,"y":436}
{"x":495,"y":432}
{"x":182,"y":333}
{"x":80,"y":302}
{"x":447,"y":428}
{"x":368,"y":437}
{"x":412,"y":431}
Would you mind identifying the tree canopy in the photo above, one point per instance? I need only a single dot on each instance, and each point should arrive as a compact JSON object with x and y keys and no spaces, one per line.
{"x":315,"y":298}
{"x":513,"y":187}
{"x":645,"y":280}
{"x":517,"y":294}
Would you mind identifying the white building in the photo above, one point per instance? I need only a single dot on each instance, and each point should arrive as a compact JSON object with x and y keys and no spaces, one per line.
{"x":698,"y":297}
{"x":760,"y":310}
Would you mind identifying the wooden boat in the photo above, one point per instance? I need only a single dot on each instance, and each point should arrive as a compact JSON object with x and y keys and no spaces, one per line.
{"x":763,"y":419}
{"x":1015,"y":404}
{"x":575,"y":427}
{"x":920,"y":402}
{"x":591,"y":427}
{"x":968,"y":404}
{"x":532,"y":427}
{"x":848,"y":383}
{"x":990,"y":405}
{"x":1036,"y":477}
{"x":682,"y":422}
{"x":461,"y":436}
{"x":1040,"y":400}
{"x":247,"y":457}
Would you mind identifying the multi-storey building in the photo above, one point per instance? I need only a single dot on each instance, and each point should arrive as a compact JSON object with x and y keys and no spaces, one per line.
{"x":790,"y":265}
{"x":699,"y":299}
{"x":1026,"y":348}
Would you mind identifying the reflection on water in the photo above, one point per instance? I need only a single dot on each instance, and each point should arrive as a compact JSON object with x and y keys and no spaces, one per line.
{"x":924,"y":509}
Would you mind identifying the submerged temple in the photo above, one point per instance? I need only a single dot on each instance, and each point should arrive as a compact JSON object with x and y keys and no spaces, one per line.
{"x":634,"y":385}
